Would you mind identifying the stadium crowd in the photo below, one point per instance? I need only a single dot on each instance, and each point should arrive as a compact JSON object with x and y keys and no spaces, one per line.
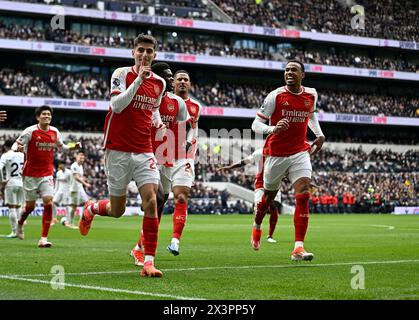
{"x":91,"y":86}
{"x":332,"y":56}
{"x":250,"y":96}
{"x":388,"y":19}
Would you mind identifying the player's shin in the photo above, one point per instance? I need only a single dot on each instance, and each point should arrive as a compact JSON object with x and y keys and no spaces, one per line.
{"x":46,"y":220}
{"x":24,"y":214}
{"x":261,"y":208}
{"x":13,"y":219}
{"x":273,"y":219}
{"x":179,"y":219}
{"x":150,"y":231}
{"x":301,"y":217}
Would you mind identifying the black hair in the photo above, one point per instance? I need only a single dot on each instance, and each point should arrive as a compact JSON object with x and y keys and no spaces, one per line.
{"x":181,"y":71}
{"x":146,"y":39}
{"x":299,"y":62}
{"x":159,"y":67}
{"x":39,"y":110}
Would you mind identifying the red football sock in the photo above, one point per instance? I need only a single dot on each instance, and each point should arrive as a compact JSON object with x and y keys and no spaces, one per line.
{"x":261,"y":208}
{"x":24,"y":215}
{"x":46,"y":220}
{"x":273,"y":219}
{"x":301,"y":216}
{"x":179,"y":219}
{"x":99,"y":207}
{"x":150,"y":231}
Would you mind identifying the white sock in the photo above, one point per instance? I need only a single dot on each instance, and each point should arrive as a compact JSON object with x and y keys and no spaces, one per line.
{"x":149,"y":258}
{"x":175,"y":241}
{"x":13,"y":219}
{"x":44,"y":238}
{"x":298,"y":244}
{"x":137,"y":247}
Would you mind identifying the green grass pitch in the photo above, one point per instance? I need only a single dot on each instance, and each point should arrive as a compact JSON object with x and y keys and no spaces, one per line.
{"x":216,"y":260}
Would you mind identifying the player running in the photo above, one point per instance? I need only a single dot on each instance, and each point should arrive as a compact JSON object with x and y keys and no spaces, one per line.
{"x":289,"y":109}
{"x":174,"y":114}
{"x":257,"y":158}
{"x":12,"y":163}
{"x":62,"y":190}
{"x":136,"y":93}
{"x":38,"y":142}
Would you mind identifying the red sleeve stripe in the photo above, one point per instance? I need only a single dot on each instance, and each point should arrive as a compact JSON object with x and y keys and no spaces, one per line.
{"x":261,"y":116}
{"x":115,"y":92}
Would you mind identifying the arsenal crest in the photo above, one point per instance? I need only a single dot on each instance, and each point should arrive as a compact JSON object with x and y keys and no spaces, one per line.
{"x":170,"y":107}
{"x":307,"y":103}
{"x":156,"y":89}
{"x":193,"y":109}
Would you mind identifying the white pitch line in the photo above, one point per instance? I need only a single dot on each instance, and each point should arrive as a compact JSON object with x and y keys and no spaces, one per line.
{"x":382,"y":226}
{"x":291,"y":265}
{"x":141,"y":293}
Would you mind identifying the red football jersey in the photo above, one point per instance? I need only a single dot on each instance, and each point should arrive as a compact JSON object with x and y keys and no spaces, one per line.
{"x":172,"y":110}
{"x":279,"y":104}
{"x":39,"y":150}
{"x":130,"y":130}
{"x":194,"y":110}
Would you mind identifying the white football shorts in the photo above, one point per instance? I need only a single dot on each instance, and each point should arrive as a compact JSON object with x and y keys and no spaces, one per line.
{"x":122,"y":167}
{"x":276,"y":168}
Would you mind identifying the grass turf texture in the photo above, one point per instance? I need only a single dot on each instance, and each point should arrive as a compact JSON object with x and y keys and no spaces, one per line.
{"x":220,"y":245}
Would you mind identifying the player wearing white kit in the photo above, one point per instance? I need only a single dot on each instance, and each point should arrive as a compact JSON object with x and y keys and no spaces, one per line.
{"x":11,"y":163}
{"x":289,"y":110}
{"x":78,"y":196}
{"x":62,"y":190}
{"x":38,"y":142}
{"x":136,"y":93}
{"x":173,"y":113}
{"x":257,"y":158}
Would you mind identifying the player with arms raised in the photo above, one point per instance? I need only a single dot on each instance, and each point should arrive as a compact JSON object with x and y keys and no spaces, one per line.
{"x":38,"y":142}
{"x":136,"y":93}
{"x":289,"y":110}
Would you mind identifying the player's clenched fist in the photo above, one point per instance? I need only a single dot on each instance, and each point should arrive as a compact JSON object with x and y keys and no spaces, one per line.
{"x":281,"y":125}
{"x":144,"y":72}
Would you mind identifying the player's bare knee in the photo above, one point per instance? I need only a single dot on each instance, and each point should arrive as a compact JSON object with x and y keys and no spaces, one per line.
{"x":181,"y":198}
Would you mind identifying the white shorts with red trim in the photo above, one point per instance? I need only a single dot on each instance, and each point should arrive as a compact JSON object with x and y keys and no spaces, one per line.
{"x":31,"y":186}
{"x":181,"y":174}
{"x":276,"y":168}
{"x":122,"y":167}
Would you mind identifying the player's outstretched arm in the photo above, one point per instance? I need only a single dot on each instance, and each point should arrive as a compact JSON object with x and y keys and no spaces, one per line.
{"x":238,"y":164}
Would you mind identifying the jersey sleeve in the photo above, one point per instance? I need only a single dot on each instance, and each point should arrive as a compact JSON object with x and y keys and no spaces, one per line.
{"x":60,"y":141}
{"x":160,"y":95}
{"x":74,"y":169}
{"x":25,"y":137}
{"x":2,"y":165}
{"x":183,"y":113}
{"x":118,"y":81}
{"x":268,"y":107}
{"x":315,"y":100}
